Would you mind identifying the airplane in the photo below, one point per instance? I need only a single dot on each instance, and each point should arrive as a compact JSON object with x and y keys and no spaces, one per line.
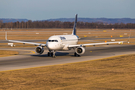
{"x":63,"y":43}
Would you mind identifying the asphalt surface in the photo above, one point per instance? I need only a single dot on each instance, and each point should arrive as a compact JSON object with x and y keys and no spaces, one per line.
{"x":27,"y":58}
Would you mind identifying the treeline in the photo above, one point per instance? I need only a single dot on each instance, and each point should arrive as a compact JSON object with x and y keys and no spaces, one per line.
{"x":59,"y":24}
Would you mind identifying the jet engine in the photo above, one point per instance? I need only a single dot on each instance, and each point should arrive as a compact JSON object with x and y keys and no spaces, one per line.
{"x":39,"y":49}
{"x":80,"y":50}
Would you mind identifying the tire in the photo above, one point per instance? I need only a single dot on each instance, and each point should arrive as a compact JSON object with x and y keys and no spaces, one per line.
{"x":48,"y":53}
{"x":76,"y":55}
{"x":51,"y":54}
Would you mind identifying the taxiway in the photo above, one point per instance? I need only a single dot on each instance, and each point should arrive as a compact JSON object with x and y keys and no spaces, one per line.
{"x":27,"y":58}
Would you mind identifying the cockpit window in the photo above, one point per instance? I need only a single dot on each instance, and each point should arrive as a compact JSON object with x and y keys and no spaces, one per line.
{"x":49,"y":40}
{"x":52,"y":40}
{"x":56,"y":40}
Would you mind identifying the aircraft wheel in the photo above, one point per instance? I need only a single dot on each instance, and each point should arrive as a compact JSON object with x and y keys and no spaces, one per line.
{"x":51,"y":54}
{"x":48,"y":53}
{"x":75,"y":54}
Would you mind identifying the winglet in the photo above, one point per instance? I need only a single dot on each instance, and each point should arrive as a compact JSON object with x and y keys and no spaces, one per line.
{"x":74,"y":28}
{"x":6,"y":35}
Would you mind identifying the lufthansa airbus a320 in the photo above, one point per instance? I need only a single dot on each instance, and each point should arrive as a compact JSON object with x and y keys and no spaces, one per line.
{"x":62,"y":43}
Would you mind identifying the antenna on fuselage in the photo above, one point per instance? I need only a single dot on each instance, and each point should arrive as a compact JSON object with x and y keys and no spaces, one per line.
{"x":74,"y":28}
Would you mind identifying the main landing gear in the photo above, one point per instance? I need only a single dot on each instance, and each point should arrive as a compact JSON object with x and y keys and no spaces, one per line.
{"x":52,"y":54}
{"x":76,"y":55}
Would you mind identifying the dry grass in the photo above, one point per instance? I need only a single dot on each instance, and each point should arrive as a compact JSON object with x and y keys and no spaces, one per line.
{"x":22,"y":34}
{"x":4,"y":53}
{"x":116,"y":73}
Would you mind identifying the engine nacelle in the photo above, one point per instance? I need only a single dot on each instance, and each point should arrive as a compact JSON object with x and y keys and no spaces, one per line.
{"x":80,"y":50}
{"x":39,"y":49}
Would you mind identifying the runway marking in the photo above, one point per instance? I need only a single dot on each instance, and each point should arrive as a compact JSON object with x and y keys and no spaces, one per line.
{"x":96,"y":51}
{"x":33,"y":52}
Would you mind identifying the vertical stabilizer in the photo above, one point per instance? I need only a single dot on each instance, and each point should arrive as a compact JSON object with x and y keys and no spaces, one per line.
{"x":74,"y":29}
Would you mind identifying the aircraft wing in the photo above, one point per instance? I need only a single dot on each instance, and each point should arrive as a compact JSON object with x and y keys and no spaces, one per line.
{"x":15,"y":41}
{"x":93,"y":44}
{"x":37,"y":44}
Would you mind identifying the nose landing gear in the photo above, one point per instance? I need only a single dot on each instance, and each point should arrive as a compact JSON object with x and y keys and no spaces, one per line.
{"x":51,"y":53}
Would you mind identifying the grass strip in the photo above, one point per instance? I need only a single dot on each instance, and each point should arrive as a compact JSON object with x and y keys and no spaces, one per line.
{"x":115,"y":73}
{"x":4,"y":53}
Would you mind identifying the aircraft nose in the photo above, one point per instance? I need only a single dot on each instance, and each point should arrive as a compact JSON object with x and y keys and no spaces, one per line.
{"x":51,"y":46}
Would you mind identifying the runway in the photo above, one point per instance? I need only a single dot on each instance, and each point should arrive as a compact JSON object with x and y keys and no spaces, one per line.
{"x":27,"y":59}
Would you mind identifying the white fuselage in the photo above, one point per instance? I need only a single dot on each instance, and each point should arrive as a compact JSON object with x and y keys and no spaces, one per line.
{"x":61,"y":42}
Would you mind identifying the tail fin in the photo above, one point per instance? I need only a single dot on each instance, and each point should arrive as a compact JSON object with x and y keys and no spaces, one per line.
{"x":74,"y":29}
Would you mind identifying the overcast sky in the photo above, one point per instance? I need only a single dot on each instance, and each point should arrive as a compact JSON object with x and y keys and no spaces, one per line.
{"x":50,"y":9}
